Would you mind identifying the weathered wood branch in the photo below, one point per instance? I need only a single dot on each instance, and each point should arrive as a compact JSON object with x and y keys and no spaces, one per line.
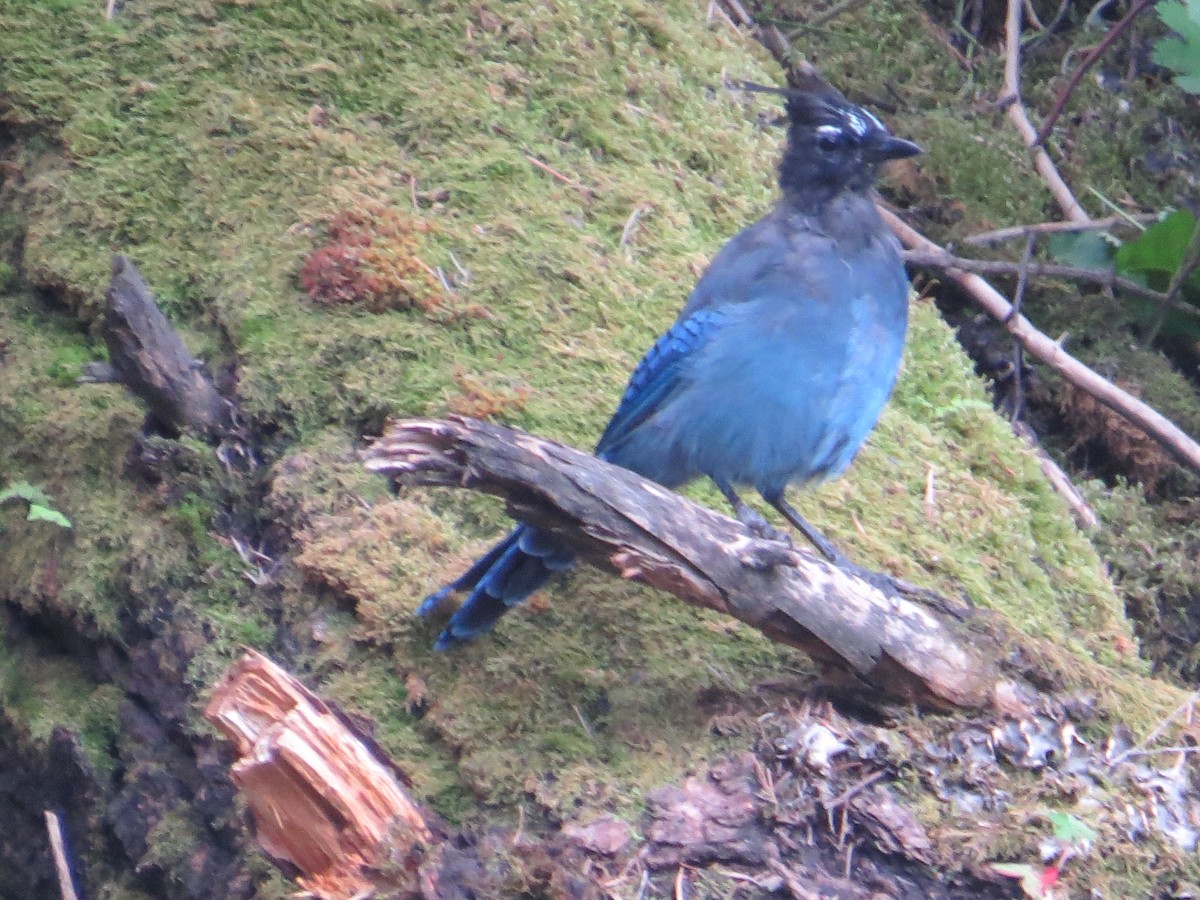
{"x":322,"y":800}
{"x":642,"y":531}
{"x":148,"y":356}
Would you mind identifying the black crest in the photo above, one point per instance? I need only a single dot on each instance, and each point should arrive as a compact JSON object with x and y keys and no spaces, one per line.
{"x":833,"y":145}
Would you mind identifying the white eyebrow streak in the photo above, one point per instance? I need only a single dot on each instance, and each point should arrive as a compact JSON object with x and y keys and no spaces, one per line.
{"x":874,"y":120}
{"x":861,"y":121}
{"x":828,"y":129}
{"x":857,"y":125}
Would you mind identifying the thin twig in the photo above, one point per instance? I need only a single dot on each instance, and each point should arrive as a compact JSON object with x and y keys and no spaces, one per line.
{"x":738,"y":12}
{"x":58,"y":849}
{"x":854,"y":790}
{"x":1042,"y":347}
{"x":644,"y":885}
{"x":1116,"y":208}
{"x":1186,"y":706}
{"x":1033,"y":16}
{"x":110,"y":9}
{"x":630,"y":224}
{"x":554,"y":173}
{"x":1183,"y":750}
{"x":1085,"y":516}
{"x":1021,"y":231}
{"x":1016,"y":111}
{"x":680,"y":885}
{"x":1106,"y":278}
{"x":1096,"y":52}
{"x":829,"y":15}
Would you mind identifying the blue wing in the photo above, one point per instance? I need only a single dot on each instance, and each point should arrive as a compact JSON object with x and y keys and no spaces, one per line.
{"x":657,"y":377}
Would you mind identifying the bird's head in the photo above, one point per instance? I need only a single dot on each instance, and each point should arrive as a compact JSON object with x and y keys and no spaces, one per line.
{"x":833,"y":145}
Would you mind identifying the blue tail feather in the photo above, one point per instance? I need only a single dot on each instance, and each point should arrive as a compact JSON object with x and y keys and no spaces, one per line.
{"x":499,"y":580}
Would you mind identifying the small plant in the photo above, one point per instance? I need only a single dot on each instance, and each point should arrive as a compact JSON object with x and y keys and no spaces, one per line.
{"x":41,"y":509}
{"x":1071,"y":838}
{"x":1163,"y":257}
{"x":1180,"y":52}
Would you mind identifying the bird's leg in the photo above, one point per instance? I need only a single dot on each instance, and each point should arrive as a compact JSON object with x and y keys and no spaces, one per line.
{"x":759,"y":527}
{"x":885,"y":583}
{"x":818,"y":540}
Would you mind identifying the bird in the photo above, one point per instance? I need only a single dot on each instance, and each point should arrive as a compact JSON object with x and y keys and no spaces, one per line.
{"x":775,"y":370}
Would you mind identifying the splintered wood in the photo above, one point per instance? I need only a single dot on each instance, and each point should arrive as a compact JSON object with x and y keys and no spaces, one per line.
{"x":322,"y":799}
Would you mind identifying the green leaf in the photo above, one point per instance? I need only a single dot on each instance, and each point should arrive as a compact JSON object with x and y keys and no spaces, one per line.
{"x":1181,"y":54}
{"x":1083,"y":250}
{"x":1182,"y":17}
{"x":39,"y":513}
{"x":1158,"y":252}
{"x":1069,"y":828}
{"x":23,"y":490}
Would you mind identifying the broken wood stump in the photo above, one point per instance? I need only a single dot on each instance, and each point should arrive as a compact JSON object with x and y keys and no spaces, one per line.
{"x":334,"y":812}
{"x":324,"y":801}
{"x":887,"y":643}
{"x":149,"y":357}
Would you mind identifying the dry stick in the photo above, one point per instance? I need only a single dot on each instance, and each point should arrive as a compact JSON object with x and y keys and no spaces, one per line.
{"x":1020,"y":231}
{"x":1085,"y":516}
{"x":554,"y":173}
{"x":630,"y":224}
{"x":58,"y":849}
{"x":1096,"y":52}
{"x":1156,"y":425}
{"x":820,"y":21}
{"x":768,"y":35}
{"x":1104,"y":277}
{"x":1016,"y":111}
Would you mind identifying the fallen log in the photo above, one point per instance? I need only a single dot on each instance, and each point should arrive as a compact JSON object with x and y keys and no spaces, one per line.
{"x":149,"y":357}
{"x":864,"y":627}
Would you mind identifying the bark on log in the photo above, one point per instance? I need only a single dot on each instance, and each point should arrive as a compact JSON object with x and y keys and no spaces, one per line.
{"x":323,"y":800}
{"x":149,"y":358}
{"x":622,"y":522}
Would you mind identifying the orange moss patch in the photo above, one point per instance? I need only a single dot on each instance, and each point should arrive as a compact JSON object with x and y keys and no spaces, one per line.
{"x":371,"y":260}
{"x":484,"y":399}
{"x":371,"y":556}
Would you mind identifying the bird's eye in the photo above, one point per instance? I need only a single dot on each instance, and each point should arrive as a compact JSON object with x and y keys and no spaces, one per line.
{"x":829,"y":141}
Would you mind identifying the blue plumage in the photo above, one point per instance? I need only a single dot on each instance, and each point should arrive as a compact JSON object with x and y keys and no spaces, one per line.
{"x":776,"y":369}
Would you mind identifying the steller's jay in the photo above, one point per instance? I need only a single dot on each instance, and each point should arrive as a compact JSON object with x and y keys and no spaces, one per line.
{"x":775,"y":370}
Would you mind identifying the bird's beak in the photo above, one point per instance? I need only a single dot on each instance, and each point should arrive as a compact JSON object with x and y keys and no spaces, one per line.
{"x":889,"y":147}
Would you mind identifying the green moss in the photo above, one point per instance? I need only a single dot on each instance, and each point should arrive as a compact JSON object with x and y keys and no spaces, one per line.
{"x":211,"y":144}
{"x":40,"y":691}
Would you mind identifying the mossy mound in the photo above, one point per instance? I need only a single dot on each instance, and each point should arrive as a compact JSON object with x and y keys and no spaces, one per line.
{"x":562,"y":172}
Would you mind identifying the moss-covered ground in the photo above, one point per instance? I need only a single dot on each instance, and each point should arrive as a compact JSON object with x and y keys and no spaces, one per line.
{"x":216,"y":142}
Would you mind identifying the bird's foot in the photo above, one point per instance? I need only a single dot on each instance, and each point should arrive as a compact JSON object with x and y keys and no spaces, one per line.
{"x":760,"y":527}
{"x":877,"y":580}
{"x":434,"y":601}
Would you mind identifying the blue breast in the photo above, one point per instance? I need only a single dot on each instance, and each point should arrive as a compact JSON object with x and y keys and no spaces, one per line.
{"x":801,"y":353}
